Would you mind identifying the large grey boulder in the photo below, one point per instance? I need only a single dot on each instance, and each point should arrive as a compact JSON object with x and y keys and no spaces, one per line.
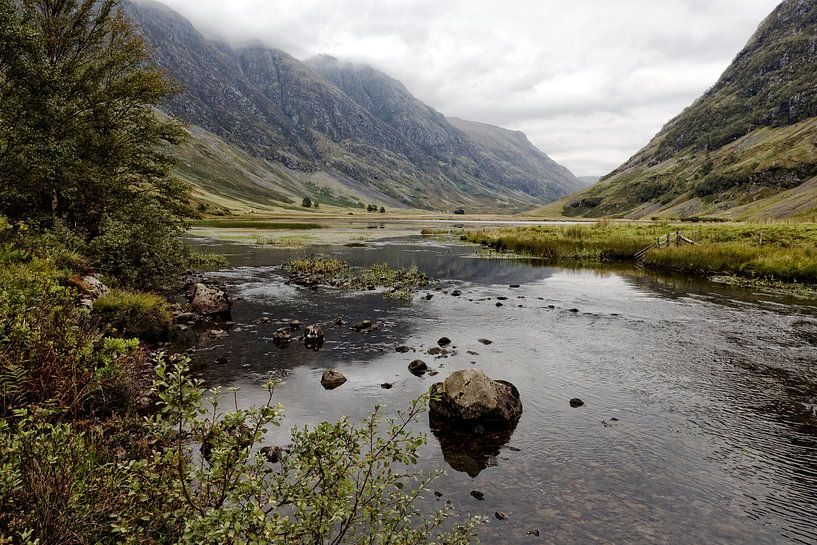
{"x":469,"y":396}
{"x":209,"y":301}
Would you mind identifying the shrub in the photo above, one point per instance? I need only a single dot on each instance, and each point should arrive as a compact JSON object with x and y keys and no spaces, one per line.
{"x":140,"y":247}
{"x":130,"y":314}
{"x":47,"y":343}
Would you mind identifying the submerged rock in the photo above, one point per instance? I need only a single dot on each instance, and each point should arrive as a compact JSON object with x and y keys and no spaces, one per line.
{"x":470,"y":396}
{"x":418,"y":367}
{"x":444,"y":341}
{"x":576,"y":403}
{"x":332,"y":379}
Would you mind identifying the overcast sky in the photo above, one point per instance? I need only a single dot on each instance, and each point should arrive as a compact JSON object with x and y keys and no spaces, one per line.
{"x":589,"y":81}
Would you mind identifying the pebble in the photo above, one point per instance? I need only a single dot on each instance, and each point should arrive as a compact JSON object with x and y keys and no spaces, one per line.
{"x":576,"y":402}
{"x":500,"y":515}
{"x":476,"y":494}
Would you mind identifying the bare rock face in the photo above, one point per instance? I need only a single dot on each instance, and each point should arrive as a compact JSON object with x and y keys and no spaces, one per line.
{"x":332,"y":379}
{"x":469,"y":396}
{"x":210,"y":301}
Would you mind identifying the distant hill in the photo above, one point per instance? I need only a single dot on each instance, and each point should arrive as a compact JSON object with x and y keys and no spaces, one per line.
{"x":347,"y":129}
{"x":746,"y":149}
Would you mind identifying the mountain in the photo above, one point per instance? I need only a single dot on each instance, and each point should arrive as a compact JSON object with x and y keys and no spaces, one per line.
{"x":338,"y":127}
{"x":747,"y":149}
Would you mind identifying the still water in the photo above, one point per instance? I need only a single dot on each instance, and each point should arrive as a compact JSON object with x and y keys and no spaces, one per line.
{"x":700,"y":415}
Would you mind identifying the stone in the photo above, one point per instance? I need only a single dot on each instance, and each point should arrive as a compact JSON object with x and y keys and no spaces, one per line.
{"x":514,"y":286}
{"x":314,"y":337}
{"x":576,"y":403}
{"x":470,"y":396}
{"x":403,"y":349}
{"x":418,"y":367}
{"x":294,"y":325}
{"x":534,"y":532}
{"x":273,"y":455}
{"x":94,"y":287}
{"x":429,"y":296}
{"x":210,"y":301}
{"x":443,"y":342}
{"x":363,"y":325}
{"x":499,"y":304}
{"x":486,"y":342}
{"x":338,"y":321}
{"x":282,"y":337}
{"x":501,"y":516}
{"x":456,"y":293}
{"x":387,"y":385}
{"x":476,"y":494}
{"x":332,"y":379}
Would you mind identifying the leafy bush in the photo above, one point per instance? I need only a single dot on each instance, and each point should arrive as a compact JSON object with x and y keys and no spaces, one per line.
{"x":337,"y":483}
{"x":140,"y":247}
{"x":141,"y":315}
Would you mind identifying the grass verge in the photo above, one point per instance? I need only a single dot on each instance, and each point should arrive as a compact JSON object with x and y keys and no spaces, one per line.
{"x":763,"y":252}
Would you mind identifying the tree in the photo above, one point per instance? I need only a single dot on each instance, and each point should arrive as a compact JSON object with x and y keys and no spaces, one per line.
{"x":382,"y":210}
{"x":307,"y":202}
{"x":80,"y":140}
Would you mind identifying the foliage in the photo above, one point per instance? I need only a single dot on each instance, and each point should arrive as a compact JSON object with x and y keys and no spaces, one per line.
{"x":207,"y":260}
{"x":381,"y":275}
{"x":52,"y":354}
{"x":79,"y":137}
{"x":337,"y":483}
{"x":140,"y":315}
{"x":326,"y":266}
{"x":307,"y":202}
{"x":771,"y":252}
{"x":140,"y":246}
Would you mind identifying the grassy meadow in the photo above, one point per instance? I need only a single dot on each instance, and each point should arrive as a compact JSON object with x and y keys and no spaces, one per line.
{"x":764,"y":252}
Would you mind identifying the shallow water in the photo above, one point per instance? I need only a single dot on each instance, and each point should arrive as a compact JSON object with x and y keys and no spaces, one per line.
{"x":713,"y":390}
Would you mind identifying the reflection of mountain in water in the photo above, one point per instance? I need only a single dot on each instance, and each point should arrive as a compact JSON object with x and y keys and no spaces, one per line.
{"x":470,"y":450}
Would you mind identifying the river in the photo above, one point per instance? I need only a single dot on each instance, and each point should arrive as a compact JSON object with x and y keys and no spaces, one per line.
{"x":700,"y":415}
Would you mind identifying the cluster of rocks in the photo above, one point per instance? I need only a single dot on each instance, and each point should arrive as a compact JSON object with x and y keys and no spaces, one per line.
{"x":314,"y":336}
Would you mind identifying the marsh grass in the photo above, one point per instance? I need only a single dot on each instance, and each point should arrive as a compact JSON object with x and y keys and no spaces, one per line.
{"x":402,"y":281}
{"x":254,"y":224}
{"x":207,"y":261}
{"x":770,"y":252}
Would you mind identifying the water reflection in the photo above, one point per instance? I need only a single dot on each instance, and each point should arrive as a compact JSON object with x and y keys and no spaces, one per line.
{"x":472,"y":449}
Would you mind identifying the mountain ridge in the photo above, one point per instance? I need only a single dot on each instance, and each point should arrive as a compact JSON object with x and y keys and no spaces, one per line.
{"x":279,"y":109}
{"x":746,"y":149}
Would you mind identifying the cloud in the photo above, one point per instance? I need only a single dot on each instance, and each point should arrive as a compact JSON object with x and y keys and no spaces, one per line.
{"x":589,"y":81}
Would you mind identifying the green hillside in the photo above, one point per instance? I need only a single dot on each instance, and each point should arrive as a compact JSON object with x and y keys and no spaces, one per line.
{"x":747,"y":149}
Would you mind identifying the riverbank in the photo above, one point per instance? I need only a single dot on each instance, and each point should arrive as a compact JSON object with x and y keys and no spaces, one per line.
{"x":778,"y":253}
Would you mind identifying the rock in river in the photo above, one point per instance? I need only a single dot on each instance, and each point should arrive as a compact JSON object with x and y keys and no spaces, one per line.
{"x":210,"y":301}
{"x":314,"y":337}
{"x":418,"y":367}
{"x":576,"y":403}
{"x":469,"y":396}
{"x":332,"y":379}
{"x":444,"y":341}
{"x":282,"y":337}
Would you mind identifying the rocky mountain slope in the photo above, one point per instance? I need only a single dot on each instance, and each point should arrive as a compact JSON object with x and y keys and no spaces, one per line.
{"x":352,"y":130}
{"x":746,"y":149}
